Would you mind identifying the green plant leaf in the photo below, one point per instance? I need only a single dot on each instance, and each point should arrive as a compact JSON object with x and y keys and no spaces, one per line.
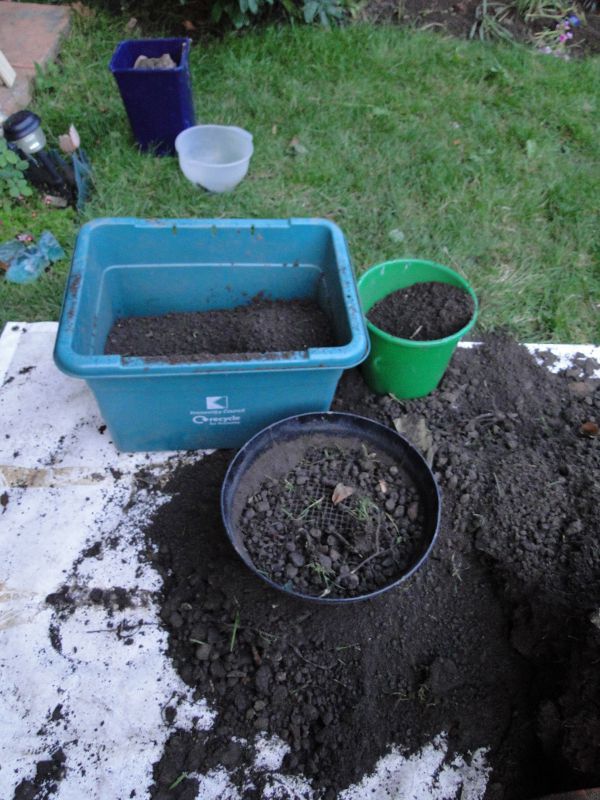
{"x":310,"y":11}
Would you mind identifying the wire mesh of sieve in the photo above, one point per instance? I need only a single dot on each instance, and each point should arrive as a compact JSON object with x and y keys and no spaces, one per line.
{"x":313,"y":508}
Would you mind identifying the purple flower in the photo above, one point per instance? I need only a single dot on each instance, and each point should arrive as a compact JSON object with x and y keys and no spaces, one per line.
{"x":562,"y":38}
{"x":574,"y":20}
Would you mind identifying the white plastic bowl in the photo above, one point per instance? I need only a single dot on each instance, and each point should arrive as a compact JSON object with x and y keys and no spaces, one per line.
{"x":215,"y":156}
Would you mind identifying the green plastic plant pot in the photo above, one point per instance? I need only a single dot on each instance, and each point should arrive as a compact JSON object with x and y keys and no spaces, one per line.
{"x":403,"y":367}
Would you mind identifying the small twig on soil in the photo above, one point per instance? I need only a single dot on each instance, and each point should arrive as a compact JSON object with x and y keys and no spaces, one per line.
{"x":412,"y":336}
{"x":236,"y":625}
{"x":345,"y":685}
{"x":305,"y":511}
{"x":339,"y":535}
{"x":312,"y":663}
{"x":327,"y":591}
{"x":177,"y":781}
{"x":500,"y":490}
{"x":256,"y":655}
{"x":370,"y":558}
{"x":162,"y":710}
{"x":123,"y":628}
{"x":392,"y":522}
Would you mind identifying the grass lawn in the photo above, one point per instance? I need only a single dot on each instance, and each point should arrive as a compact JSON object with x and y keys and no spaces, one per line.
{"x":485,"y":158}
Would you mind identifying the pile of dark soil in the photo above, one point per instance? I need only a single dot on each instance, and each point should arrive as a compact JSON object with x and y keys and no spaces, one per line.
{"x":261,"y":326}
{"x":342,"y":522}
{"x":495,"y":640}
{"x":423,"y":311}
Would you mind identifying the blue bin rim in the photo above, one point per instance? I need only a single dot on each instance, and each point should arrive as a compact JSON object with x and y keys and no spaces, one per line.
{"x":113,"y":366}
{"x":184,"y":41}
{"x":354,"y":424}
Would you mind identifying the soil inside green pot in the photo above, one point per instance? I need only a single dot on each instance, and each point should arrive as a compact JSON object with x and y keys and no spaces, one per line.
{"x":261,"y":326}
{"x":344,"y":521}
{"x":423,"y":311}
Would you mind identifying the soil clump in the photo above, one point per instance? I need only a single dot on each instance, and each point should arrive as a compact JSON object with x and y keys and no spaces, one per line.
{"x":423,"y":311}
{"x":495,"y":639}
{"x":261,"y":326}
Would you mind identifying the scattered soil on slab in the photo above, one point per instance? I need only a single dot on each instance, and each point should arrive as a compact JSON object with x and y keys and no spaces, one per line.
{"x":423,"y":311}
{"x":495,"y":639}
{"x":262,"y":326}
{"x":48,"y":774}
{"x":342,"y":522}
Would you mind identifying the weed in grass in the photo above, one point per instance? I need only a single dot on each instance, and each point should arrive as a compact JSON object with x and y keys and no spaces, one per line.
{"x":47,"y":78}
{"x":543,"y":9}
{"x":489,"y":19}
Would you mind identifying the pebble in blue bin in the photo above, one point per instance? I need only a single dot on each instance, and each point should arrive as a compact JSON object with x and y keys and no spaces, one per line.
{"x":158,"y":102}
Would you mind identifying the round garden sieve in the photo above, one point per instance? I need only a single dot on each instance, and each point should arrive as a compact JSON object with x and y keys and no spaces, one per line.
{"x":273,"y":452}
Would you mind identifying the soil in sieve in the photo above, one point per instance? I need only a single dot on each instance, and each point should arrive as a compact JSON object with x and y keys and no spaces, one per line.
{"x":341,"y":522}
{"x":495,"y":640}
{"x":259,"y":327}
{"x":423,"y":311}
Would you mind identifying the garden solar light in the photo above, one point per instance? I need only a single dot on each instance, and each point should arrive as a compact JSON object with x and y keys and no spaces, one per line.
{"x":24,"y":130}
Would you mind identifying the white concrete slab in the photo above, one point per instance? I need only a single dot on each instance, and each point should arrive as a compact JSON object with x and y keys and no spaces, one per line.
{"x":76,"y":683}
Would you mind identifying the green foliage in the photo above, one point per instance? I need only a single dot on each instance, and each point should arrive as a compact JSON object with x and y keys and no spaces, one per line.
{"x":12,"y":180}
{"x":543,"y":9}
{"x":243,"y":12}
{"x":47,"y":79}
{"x":322,"y":10}
{"x":489,"y":22}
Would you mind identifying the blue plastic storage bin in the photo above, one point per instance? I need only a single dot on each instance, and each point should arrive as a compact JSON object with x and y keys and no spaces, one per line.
{"x":134,"y":267}
{"x":158,"y":102}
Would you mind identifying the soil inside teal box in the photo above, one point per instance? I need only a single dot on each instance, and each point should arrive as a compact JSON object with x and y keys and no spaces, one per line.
{"x":259,"y":327}
{"x":423,"y":312}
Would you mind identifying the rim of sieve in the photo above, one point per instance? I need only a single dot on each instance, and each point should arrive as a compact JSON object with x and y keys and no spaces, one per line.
{"x":337,"y":425}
